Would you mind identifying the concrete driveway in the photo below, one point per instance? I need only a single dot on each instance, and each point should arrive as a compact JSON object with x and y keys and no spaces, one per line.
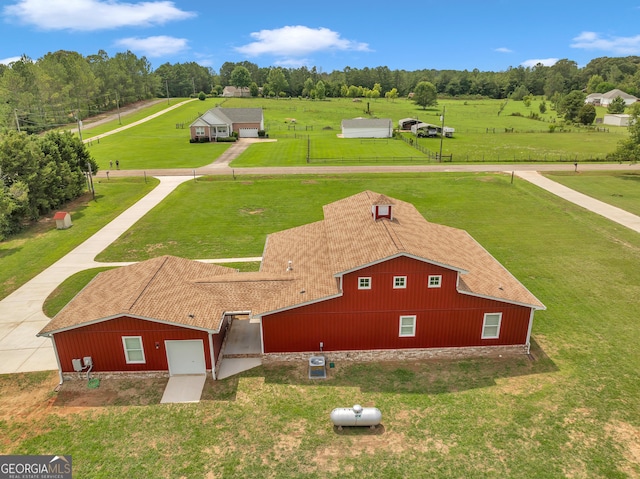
{"x":21,"y":316}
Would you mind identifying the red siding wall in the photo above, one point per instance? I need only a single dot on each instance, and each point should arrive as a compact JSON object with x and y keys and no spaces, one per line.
{"x":369,"y":319}
{"x":103,"y":342}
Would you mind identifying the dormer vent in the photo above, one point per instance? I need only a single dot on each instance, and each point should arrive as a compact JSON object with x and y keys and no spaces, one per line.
{"x":382,"y":207}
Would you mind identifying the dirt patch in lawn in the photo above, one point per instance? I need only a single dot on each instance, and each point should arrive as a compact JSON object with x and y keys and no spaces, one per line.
{"x":111,"y":392}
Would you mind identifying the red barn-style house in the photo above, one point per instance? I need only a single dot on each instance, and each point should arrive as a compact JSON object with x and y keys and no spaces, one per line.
{"x":374,"y":279}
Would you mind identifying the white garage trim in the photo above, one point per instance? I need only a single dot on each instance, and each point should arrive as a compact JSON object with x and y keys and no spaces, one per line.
{"x":185,"y":356}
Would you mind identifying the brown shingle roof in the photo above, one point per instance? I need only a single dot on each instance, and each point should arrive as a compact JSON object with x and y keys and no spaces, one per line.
{"x":197,"y":295}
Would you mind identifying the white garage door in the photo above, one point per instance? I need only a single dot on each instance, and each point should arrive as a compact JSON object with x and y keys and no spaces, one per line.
{"x":248,"y":133}
{"x":185,"y":357}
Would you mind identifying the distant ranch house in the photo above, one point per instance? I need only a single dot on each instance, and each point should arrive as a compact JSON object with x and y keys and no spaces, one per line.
{"x":373,"y":280}
{"x":605,"y":99}
{"x":367,"y":128}
{"x":234,"y":91}
{"x":221,"y":122}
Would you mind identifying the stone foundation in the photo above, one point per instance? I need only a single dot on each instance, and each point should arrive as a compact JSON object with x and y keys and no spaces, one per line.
{"x":115,"y":375}
{"x":402,"y":354}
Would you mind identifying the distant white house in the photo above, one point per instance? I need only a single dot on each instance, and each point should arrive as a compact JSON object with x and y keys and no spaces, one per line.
{"x":367,"y":128}
{"x":221,"y":122}
{"x":605,"y":99}
{"x":616,"y":119}
{"x":234,"y":91}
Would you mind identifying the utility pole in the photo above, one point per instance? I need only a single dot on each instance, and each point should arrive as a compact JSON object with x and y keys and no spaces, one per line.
{"x":166,"y":84}
{"x":15,"y":112}
{"x":441,"y":134}
{"x":118,"y":107}
{"x":90,"y":180}
{"x":79,"y":124}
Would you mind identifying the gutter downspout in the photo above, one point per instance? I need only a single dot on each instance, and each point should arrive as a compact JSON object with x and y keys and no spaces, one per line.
{"x":55,"y":351}
{"x":213,"y":356}
{"x":528,"y":343}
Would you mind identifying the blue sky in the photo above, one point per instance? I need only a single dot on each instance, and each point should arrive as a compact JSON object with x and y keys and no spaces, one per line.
{"x":490,"y":35}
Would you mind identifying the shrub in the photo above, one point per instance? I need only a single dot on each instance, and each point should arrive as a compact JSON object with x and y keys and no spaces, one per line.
{"x":552,"y":128}
{"x":261,"y":133}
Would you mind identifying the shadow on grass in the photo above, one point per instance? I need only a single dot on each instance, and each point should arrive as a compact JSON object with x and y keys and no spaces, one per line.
{"x":403,"y":377}
{"x":417,"y":376}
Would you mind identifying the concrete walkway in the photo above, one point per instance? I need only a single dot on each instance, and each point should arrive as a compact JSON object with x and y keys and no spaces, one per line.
{"x":21,"y":316}
{"x":613,"y":213}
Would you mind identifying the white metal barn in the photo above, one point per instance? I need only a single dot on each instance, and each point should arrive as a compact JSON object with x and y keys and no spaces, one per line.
{"x":367,"y":128}
{"x":616,"y":119}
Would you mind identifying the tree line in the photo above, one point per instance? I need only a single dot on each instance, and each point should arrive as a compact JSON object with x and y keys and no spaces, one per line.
{"x":39,"y":174}
{"x":65,"y":87}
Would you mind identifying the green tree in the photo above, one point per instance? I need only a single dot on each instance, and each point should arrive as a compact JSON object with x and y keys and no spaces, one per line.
{"x":617,"y":105}
{"x":543,"y":107}
{"x":587,"y":114}
{"x":241,"y":78}
{"x":571,"y":104}
{"x":519,"y":93}
{"x":425,"y":94}
{"x":307,"y":87}
{"x":391,"y":94}
{"x":277,"y":81}
{"x":320,"y":90}
{"x":254,"y":91}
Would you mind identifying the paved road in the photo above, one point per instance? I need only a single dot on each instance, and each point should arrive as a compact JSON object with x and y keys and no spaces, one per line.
{"x":222,"y":168}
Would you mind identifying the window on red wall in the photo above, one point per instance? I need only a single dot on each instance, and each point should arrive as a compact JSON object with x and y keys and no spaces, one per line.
{"x":399,"y":282}
{"x":491,"y":325}
{"x":364,"y":282}
{"x":407,"y":326}
{"x":435,"y":280}
{"x":133,"y":350}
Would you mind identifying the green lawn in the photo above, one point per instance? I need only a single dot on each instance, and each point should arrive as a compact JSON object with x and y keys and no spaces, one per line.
{"x":305,"y":127}
{"x":621,"y":189}
{"x":572,"y":412}
{"x":25,"y":255}
{"x":158,"y":143}
{"x":481,"y":133}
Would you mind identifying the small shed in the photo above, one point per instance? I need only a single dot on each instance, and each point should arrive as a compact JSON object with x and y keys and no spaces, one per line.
{"x":619,"y":119}
{"x":63,"y":220}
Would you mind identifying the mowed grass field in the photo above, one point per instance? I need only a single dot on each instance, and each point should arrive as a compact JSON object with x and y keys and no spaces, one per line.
{"x":571,"y":411}
{"x":25,"y":255}
{"x":157,"y":143}
{"x":308,"y":129}
{"x":617,"y":189}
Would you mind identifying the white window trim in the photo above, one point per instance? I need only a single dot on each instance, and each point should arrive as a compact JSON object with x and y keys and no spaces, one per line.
{"x":361,"y":280}
{"x":200,"y":130}
{"x":484,"y":324}
{"x":413,"y":326}
{"x":126,"y":351}
{"x":404,"y":282}
{"x":434,"y":276}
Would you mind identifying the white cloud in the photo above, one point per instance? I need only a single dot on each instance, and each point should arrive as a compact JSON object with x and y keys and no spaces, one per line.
{"x":154,"y":46}
{"x":91,"y":15}
{"x":547,"y":62}
{"x":504,"y":50}
{"x":294,"y":42}
{"x":7,"y":61}
{"x":617,"y":45}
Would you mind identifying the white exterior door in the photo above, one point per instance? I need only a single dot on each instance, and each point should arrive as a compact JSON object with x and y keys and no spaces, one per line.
{"x":185,"y":357}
